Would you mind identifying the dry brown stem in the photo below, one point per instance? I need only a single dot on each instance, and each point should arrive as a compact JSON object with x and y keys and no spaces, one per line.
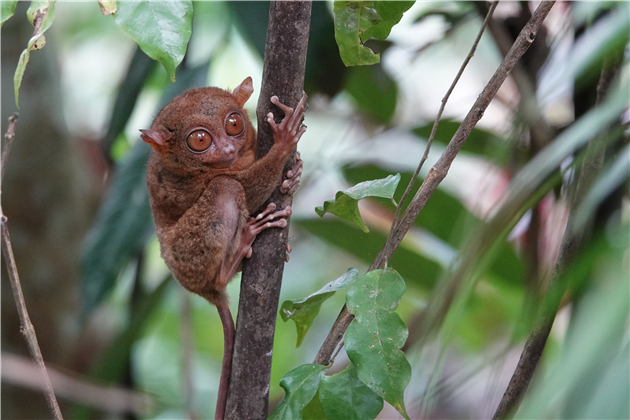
{"x":440,"y":169}
{"x":26,"y":326}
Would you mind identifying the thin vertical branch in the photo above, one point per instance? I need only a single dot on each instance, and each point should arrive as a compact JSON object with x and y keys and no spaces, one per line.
{"x":283,"y":76}
{"x":26,"y":326}
{"x":438,"y":172}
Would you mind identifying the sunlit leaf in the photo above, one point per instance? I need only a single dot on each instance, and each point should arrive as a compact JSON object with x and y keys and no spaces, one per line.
{"x":41,"y":14}
{"x":7,"y":9}
{"x":161,"y":28}
{"x":344,"y":397}
{"x":346,"y":206}
{"x":300,"y":385}
{"x":376,"y":335}
{"x":304,"y":311}
{"x":358,"y":21}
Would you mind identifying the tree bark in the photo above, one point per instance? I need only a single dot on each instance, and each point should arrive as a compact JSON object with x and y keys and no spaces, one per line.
{"x":283,"y":76}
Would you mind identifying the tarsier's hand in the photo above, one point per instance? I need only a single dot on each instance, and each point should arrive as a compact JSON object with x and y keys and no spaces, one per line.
{"x":293,"y":176}
{"x":288,"y":132}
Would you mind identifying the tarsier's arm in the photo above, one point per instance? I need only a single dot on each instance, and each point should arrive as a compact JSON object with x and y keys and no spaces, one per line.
{"x":270,"y":167}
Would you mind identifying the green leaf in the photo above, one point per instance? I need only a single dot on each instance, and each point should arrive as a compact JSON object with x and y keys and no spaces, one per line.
{"x":376,"y":335}
{"x":162,"y":29}
{"x":304,"y":311}
{"x":374,"y":91}
{"x":7,"y":9}
{"x":300,"y":385}
{"x":314,"y":409}
{"x":416,"y":268}
{"x":358,"y":21}
{"x":345,"y":205}
{"x":41,"y":14}
{"x":344,"y":397}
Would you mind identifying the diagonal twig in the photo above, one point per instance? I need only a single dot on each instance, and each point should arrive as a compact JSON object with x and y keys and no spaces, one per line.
{"x":26,"y":327}
{"x":438,"y":118}
{"x":440,"y":169}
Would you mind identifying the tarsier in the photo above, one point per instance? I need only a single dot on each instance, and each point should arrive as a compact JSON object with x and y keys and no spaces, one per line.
{"x":206,"y":190}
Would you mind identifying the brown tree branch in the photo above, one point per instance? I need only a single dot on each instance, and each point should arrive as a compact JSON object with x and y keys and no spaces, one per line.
{"x":437,"y":173}
{"x":283,"y":76}
{"x":26,"y":326}
{"x":571,"y":242}
{"x":20,"y":371}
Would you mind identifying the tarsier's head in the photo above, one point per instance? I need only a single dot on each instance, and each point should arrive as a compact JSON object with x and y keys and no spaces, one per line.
{"x":204,"y":128}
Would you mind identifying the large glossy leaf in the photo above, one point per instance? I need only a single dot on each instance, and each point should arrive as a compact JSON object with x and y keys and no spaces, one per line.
{"x":161,"y":28}
{"x":346,"y":203}
{"x":41,"y":14}
{"x":344,"y":397}
{"x":7,"y":9}
{"x":376,"y":335}
{"x":300,"y":385}
{"x":304,"y":311}
{"x":358,"y":21}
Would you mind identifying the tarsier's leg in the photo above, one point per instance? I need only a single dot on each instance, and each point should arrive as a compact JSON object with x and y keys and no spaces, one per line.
{"x":293,"y":175}
{"x":266,"y":219}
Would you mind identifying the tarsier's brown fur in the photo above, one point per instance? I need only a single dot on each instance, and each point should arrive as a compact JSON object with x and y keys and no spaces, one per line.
{"x":204,"y":202}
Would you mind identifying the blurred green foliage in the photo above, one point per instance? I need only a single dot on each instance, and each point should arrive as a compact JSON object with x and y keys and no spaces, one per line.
{"x":472,"y":280}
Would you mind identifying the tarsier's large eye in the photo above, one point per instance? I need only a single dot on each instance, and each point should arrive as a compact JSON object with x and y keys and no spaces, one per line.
{"x":199,"y":141}
{"x":234,"y":124}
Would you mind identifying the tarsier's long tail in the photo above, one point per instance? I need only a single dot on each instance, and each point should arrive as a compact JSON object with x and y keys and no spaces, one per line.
{"x":226,"y":368}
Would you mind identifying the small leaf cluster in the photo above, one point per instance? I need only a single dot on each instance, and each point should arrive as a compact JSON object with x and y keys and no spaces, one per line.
{"x":379,"y":369}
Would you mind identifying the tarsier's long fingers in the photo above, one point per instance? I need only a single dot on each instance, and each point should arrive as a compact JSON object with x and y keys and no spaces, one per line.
{"x":268,"y":219}
{"x":292,"y":121}
{"x":291,"y":184}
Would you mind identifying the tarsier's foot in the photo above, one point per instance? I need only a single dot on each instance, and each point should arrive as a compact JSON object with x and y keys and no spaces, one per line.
{"x":266,"y":219}
{"x":290,"y":129}
{"x":293,"y":175}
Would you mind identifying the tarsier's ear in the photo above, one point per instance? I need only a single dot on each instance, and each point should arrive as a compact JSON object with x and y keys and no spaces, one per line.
{"x":154,"y":138}
{"x":243,"y":91}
